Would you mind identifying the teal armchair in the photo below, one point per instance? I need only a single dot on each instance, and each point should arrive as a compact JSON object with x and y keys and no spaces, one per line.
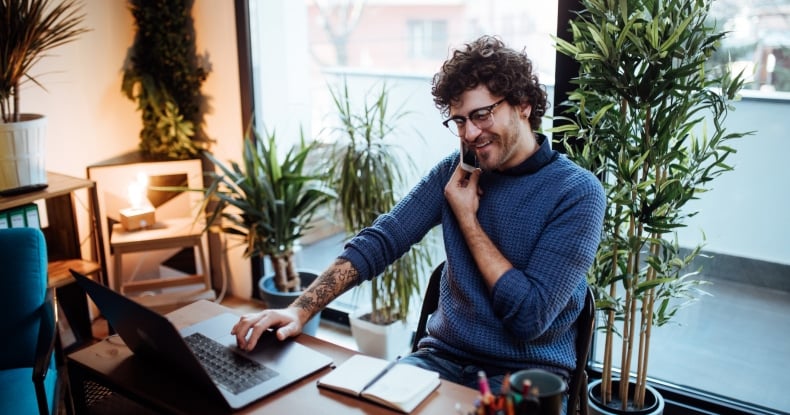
{"x":29,"y":351}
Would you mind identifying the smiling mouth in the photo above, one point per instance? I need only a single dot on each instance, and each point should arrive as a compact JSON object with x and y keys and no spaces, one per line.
{"x":483,"y":144}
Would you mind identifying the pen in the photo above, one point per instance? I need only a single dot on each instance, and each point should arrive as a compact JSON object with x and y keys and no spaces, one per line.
{"x":380,"y":375}
{"x":482,"y":382}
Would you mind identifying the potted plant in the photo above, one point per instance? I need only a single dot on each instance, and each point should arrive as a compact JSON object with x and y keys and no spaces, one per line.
{"x":269,"y":203}
{"x":163,"y":73}
{"x":640,"y":118}
{"x":28,"y":29}
{"x":367,"y":173}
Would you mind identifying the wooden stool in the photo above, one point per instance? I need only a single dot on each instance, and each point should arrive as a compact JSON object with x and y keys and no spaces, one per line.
{"x":165,"y":234}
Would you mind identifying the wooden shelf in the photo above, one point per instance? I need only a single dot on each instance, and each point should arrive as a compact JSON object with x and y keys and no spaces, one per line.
{"x":58,"y":271}
{"x":64,"y":245}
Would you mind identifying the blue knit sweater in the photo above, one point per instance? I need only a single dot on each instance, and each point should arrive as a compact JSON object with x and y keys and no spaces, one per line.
{"x":545,"y":216}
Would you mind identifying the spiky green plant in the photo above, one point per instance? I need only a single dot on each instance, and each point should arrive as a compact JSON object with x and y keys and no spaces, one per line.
{"x":268,"y":202}
{"x":28,"y":29}
{"x":367,"y":173}
{"x":642,"y":112}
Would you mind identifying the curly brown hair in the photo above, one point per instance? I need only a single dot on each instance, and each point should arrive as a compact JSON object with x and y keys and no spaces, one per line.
{"x":504,"y":71}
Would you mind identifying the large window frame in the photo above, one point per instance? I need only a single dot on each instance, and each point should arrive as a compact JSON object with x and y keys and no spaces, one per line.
{"x":680,"y":400}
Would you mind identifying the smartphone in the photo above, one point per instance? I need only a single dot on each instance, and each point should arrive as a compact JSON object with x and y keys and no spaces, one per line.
{"x":468,"y":158}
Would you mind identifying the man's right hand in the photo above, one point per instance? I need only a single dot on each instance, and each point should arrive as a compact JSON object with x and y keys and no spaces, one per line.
{"x":463,"y":194}
{"x":285,"y":321}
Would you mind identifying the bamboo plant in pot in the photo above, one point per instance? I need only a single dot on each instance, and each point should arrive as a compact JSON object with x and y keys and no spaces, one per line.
{"x":28,"y":29}
{"x":269,"y":203}
{"x":646,"y":117}
{"x":367,"y":173}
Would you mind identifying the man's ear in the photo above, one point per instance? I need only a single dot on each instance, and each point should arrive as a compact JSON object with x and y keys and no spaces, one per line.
{"x":525,"y":110}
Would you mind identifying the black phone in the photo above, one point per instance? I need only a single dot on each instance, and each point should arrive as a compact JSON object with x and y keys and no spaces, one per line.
{"x":468,"y":158}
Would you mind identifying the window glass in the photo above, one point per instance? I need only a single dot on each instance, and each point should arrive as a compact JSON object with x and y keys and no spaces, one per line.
{"x":731,"y":332}
{"x":758,"y":41}
{"x":300,"y":48}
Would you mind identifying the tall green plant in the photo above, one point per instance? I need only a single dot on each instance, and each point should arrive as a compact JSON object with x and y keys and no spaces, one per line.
{"x":164,"y":74}
{"x":28,"y":29}
{"x":367,"y":172}
{"x":267,"y":201}
{"x":648,"y":115}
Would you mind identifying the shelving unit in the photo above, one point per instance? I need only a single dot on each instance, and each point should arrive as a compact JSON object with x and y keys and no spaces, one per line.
{"x":63,"y":244}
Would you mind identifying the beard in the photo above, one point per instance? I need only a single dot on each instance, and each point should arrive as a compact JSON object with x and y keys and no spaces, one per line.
{"x":501,"y":149}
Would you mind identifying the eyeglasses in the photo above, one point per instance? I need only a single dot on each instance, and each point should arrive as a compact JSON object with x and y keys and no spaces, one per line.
{"x":481,"y":118}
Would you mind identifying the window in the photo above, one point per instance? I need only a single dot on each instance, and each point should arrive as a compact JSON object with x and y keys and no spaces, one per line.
{"x":734,"y":338}
{"x":427,"y":39}
{"x":367,"y":43}
{"x":758,"y":42}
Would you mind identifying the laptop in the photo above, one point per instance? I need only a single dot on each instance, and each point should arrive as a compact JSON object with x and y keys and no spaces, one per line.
{"x":273,"y":365}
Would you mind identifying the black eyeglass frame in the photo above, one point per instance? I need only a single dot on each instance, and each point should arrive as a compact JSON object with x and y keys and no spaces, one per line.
{"x":457,"y":119}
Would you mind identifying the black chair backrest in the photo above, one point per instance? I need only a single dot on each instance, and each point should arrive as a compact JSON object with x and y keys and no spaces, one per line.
{"x":585,"y":324}
{"x":429,"y":304}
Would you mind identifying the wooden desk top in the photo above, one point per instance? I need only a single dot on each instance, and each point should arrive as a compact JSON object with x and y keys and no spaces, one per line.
{"x":113,"y":362}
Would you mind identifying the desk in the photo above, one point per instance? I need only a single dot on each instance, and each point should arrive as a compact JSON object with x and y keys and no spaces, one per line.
{"x":112,"y":364}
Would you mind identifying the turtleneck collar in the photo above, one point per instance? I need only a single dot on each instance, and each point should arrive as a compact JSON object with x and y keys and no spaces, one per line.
{"x":535,"y":162}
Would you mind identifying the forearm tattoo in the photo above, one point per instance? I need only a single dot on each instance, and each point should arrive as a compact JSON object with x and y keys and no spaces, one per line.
{"x":334,"y":281}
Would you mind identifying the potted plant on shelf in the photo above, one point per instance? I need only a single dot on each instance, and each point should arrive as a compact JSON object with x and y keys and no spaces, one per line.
{"x":269,"y":203}
{"x":640,"y":118}
{"x":367,"y":173}
{"x":28,"y":29}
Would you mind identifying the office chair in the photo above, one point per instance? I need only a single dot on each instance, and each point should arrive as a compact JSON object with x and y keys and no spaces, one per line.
{"x":585,"y":324}
{"x":29,"y":375}
{"x":429,"y":304}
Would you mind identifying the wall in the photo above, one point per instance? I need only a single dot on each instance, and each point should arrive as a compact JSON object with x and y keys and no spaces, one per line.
{"x":90,"y":120}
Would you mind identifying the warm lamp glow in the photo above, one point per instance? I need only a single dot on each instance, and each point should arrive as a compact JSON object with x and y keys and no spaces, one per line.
{"x":141,"y":213}
{"x":135,"y":193}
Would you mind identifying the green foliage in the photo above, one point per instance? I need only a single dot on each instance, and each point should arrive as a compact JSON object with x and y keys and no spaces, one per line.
{"x":28,"y":29}
{"x":267,"y":202}
{"x":642,"y":112}
{"x":164,"y":74}
{"x":367,"y":171}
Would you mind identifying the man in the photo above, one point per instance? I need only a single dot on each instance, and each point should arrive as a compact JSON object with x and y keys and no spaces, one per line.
{"x":520,"y":232}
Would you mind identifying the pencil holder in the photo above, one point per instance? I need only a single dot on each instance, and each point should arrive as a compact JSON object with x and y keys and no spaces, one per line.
{"x":537,"y":392}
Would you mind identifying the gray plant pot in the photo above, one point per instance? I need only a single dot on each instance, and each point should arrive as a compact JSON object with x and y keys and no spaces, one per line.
{"x":277,"y":299}
{"x":654,"y":402}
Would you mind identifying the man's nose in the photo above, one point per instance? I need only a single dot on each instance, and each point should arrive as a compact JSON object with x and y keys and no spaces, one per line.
{"x":471,"y":131}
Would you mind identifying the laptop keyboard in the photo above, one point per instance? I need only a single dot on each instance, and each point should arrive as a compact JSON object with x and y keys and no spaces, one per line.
{"x":228,"y":369}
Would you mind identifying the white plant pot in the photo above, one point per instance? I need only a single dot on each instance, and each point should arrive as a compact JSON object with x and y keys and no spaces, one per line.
{"x":387,"y":342}
{"x":23,"y":155}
